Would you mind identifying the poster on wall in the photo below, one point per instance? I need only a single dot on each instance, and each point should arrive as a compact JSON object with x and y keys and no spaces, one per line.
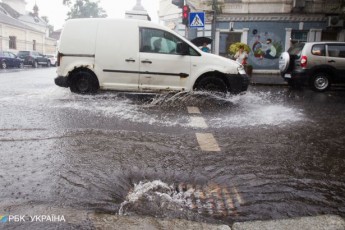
{"x":266,"y":48}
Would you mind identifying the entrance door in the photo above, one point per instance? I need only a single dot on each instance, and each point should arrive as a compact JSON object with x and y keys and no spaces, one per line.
{"x":226,"y":40}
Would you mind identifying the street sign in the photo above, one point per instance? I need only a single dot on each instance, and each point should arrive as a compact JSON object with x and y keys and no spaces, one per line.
{"x":197,"y":19}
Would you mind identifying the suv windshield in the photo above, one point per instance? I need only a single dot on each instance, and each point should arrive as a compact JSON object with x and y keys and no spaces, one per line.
{"x":296,"y":49}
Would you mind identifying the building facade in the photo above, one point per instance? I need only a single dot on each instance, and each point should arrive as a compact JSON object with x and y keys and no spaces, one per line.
{"x":21,"y":30}
{"x":269,"y":27}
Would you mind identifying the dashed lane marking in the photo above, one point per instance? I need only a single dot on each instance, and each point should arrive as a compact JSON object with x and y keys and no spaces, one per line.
{"x":238,"y":196}
{"x":193,"y":110}
{"x":207,"y":142}
{"x":198,"y":122}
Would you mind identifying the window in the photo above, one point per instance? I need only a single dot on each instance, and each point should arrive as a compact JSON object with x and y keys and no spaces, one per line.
{"x":299,"y":36}
{"x":34,"y":45}
{"x":318,"y":50}
{"x":13,"y":42}
{"x":159,"y":41}
{"x":335,"y":50}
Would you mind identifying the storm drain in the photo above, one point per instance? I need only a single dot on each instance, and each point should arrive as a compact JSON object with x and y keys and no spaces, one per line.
{"x":211,"y":200}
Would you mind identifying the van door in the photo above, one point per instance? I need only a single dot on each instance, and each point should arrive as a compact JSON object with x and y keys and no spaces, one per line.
{"x":117,"y":56}
{"x":161,"y":67}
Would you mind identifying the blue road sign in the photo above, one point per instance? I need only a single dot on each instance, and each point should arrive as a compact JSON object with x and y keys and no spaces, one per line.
{"x":197,"y":19}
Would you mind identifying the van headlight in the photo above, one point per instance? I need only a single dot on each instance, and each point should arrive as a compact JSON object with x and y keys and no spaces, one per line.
{"x":241,"y":70}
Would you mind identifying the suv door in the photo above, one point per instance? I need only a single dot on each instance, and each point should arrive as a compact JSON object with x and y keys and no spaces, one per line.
{"x":161,"y":67}
{"x":336,"y":59}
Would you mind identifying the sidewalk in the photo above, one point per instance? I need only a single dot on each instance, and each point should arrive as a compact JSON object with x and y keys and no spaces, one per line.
{"x":267,"y":79}
{"x":325,"y":222}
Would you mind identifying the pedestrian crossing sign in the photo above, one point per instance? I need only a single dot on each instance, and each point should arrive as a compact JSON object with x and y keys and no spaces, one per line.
{"x":197,"y":19}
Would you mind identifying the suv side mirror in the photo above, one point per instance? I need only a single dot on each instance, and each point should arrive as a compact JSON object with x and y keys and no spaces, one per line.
{"x":182,"y":48}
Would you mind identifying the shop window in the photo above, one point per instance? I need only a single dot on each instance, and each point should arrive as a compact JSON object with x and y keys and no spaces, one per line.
{"x":13,"y":42}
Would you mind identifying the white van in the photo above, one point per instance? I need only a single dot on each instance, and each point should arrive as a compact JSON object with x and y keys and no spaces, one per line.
{"x":136,"y":55}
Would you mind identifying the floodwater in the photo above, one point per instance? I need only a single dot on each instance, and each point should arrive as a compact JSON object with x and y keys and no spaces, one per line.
{"x":282,"y":153}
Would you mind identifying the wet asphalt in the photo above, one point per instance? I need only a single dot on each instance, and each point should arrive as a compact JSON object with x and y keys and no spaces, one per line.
{"x":281,"y":153}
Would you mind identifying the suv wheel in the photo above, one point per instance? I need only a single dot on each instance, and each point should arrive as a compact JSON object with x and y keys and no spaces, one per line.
{"x":212,"y":84}
{"x":48,"y":64}
{"x":320,"y":82}
{"x":35,"y":64}
{"x":284,"y":62}
{"x":3,"y":65}
{"x":84,"y":82}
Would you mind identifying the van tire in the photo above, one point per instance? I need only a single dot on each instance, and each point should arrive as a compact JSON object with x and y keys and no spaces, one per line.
{"x":212,"y":84}
{"x":83,"y":82}
{"x":320,"y":82}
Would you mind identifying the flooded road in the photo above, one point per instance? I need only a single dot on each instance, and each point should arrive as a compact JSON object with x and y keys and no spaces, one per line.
{"x":281,"y":153}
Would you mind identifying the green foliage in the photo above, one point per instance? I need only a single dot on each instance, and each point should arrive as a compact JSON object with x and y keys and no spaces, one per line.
{"x":236,"y":46}
{"x":84,"y":9}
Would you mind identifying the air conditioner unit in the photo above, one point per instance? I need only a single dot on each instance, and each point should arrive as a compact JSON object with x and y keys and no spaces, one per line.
{"x":335,"y":21}
{"x":298,"y":3}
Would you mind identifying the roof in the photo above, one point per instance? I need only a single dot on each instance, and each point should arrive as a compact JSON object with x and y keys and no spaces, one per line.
{"x":5,"y":19}
{"x":13,"y":13}
{"x":33,"y":20}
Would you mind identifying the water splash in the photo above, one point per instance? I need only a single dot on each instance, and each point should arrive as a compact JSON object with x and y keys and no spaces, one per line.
{"x":156,"y":197}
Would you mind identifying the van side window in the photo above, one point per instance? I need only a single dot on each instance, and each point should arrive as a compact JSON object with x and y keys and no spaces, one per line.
{"x":318,"y":50}
{"x":335,"y":50}
{"x":160,"y":41}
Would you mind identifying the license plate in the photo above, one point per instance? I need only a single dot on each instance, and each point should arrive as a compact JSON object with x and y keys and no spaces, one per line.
{"x":287,"y":75}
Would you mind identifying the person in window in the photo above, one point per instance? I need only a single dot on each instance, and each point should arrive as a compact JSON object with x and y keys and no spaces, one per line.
{"x":205,"y":48}
{"x":241,"y":55}
{"x":157,"y":45}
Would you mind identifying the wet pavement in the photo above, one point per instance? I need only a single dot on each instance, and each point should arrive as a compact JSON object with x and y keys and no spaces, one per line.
{"x":281,"y":153}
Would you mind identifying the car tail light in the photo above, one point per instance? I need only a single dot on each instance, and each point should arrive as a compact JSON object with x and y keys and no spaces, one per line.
{"x":304,"y":61}
{"x":59,"y":56}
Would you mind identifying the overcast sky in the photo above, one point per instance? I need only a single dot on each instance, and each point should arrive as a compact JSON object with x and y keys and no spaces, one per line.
{"x":57,"y":12}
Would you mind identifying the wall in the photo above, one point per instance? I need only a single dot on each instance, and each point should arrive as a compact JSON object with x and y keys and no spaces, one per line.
{"x":263,"y":55}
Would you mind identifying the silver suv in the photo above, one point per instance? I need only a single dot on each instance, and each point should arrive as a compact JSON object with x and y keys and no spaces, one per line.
{"x":317,"y":64}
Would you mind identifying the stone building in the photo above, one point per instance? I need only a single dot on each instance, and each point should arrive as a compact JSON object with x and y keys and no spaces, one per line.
{"x":21,"y":30}
{"x":262,"y":24}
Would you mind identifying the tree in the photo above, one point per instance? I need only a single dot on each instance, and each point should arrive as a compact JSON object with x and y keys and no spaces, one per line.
{"x":84,"y":9}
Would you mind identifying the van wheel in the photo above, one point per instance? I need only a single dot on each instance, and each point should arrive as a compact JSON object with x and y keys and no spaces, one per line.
{"x":320,"y":82}
{"x":212,"y":84}
{"x":84,"y":82}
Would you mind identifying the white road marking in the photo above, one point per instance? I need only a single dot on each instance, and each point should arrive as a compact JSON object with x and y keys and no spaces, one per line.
{"x":193,"y":110}
{"x":238,"y":196}
{"x":198,"y":122}
{"x":207,"y":142}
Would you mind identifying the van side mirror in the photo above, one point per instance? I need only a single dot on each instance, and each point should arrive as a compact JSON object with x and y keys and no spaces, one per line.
{"x":182,"y":48}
